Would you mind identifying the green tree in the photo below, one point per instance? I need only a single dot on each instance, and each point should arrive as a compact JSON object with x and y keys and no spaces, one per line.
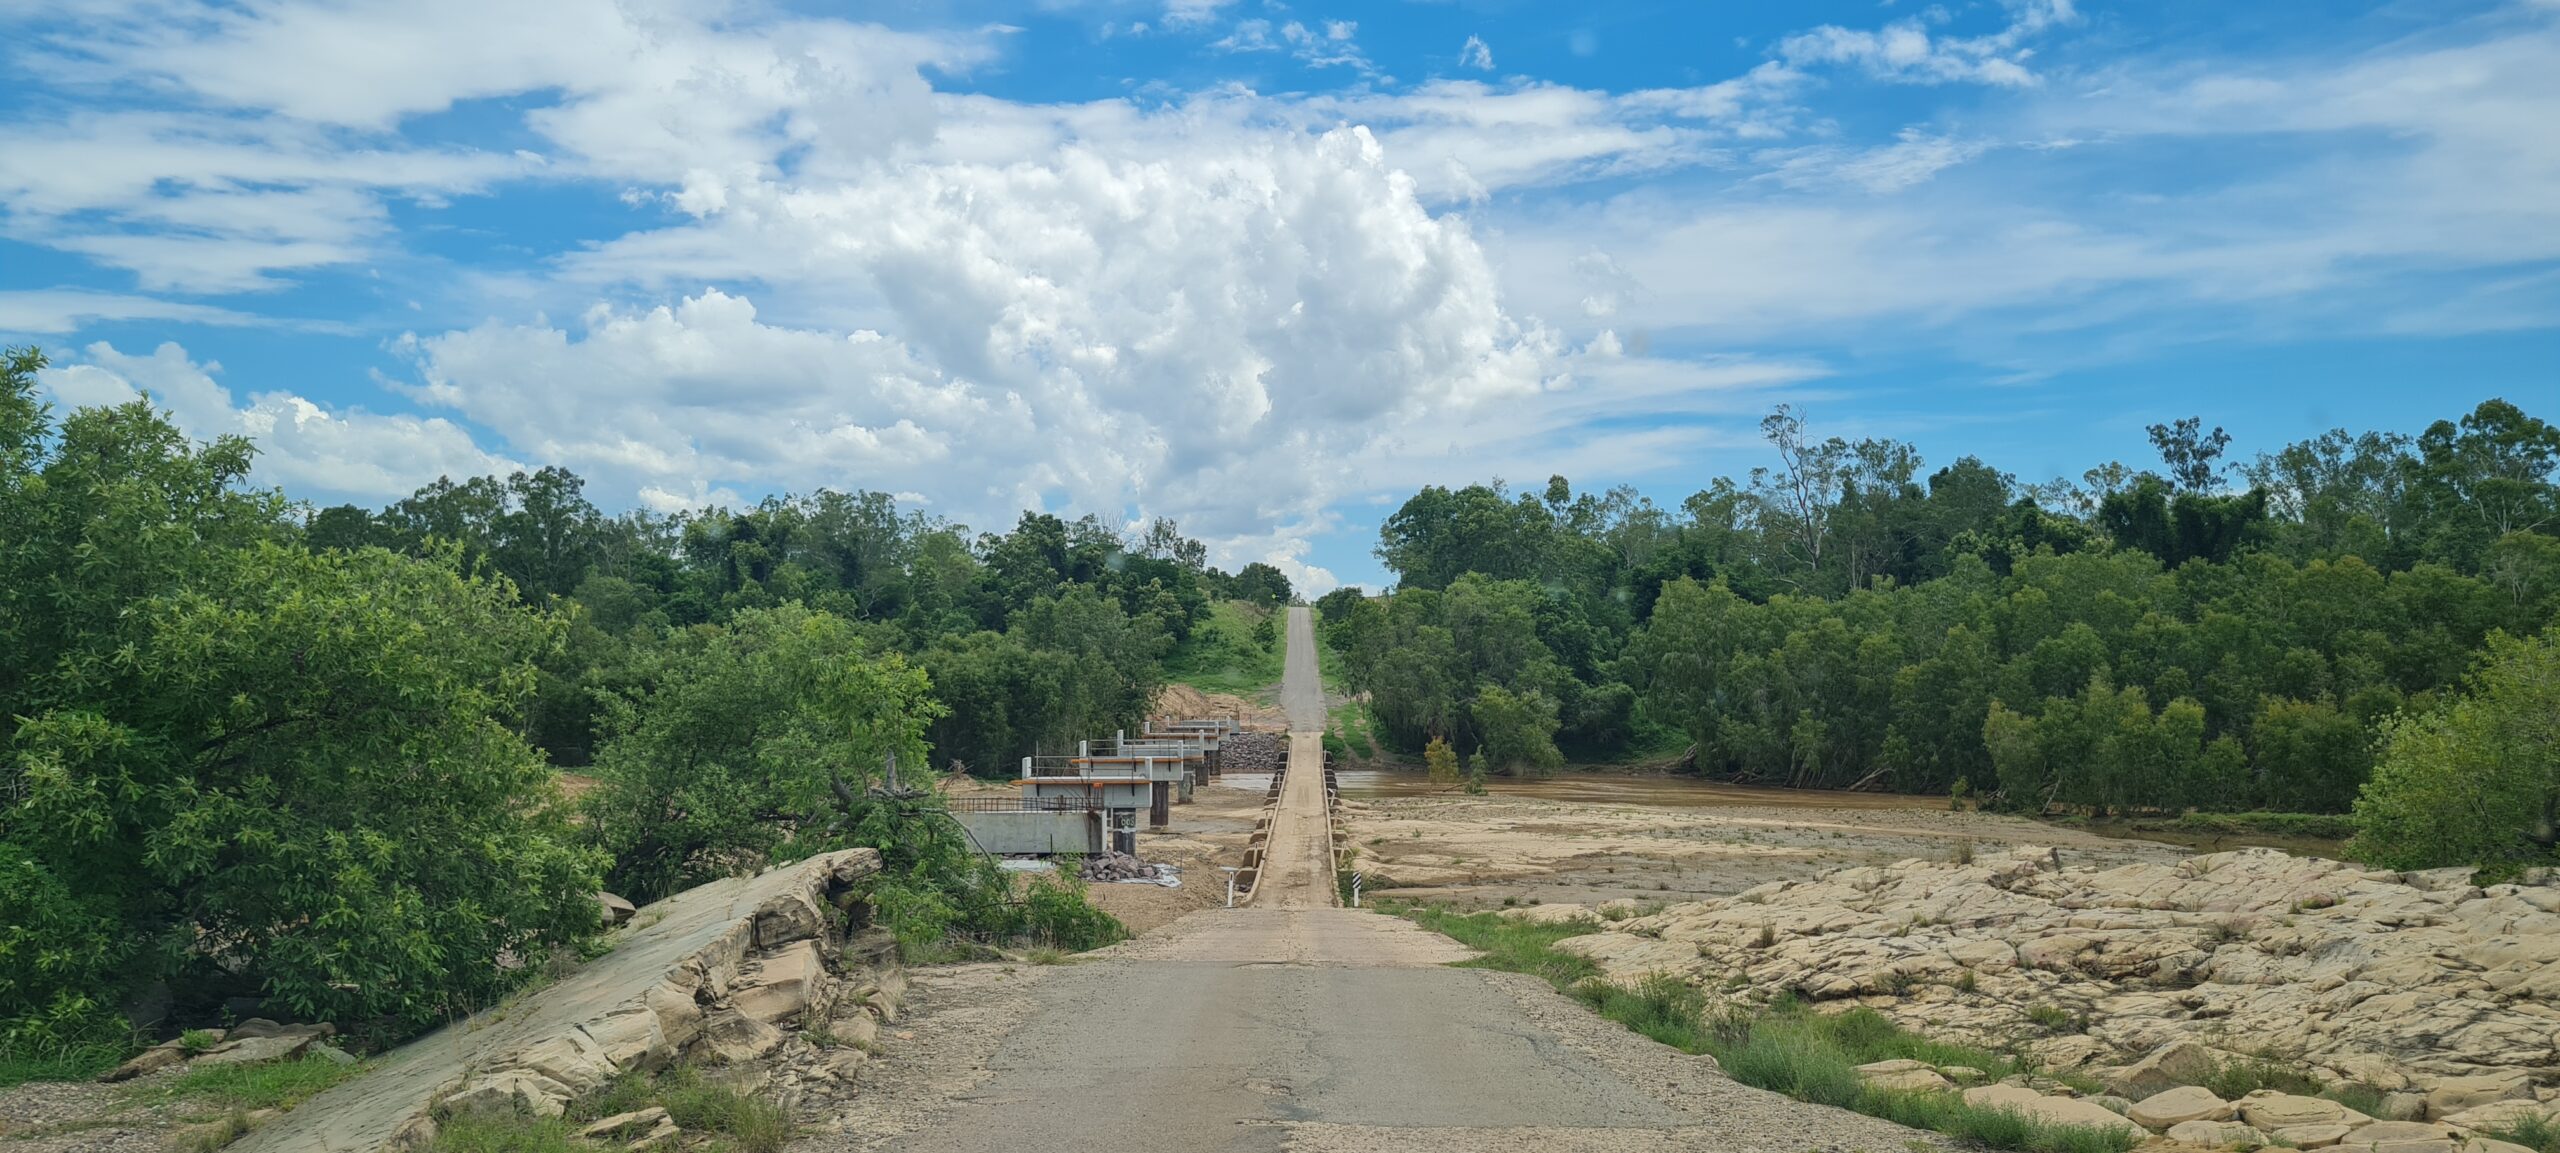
{"x":1440,"y":762}
{"x":239,"y":766}
{"x":2476,"y":782}
{"x":1517,"y":729}
{"x":755,"y":740}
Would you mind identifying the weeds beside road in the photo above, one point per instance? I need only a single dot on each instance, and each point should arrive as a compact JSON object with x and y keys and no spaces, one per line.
{"x":1782,"y":1046}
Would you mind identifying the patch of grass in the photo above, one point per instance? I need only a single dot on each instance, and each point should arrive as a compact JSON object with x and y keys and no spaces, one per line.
{"x":509,"y":1135}
{"x":741,"y":1123}
{"x":2540,"y":1134}
{"x":2056,"y":1019}
{"x":1222,"y":655}
{"x":1783,"y":1047}
{"x":1513,"y":946}
{"x":19,"y":1065}
{"x":207,"y":1136}
{"x":2232,"y":1080}
{"x":195,"y":1041}
{"x":267,"y":1085}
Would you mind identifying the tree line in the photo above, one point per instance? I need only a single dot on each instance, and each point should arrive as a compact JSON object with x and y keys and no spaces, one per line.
{"x":311,"y":759}
{"x":2207,"y":634}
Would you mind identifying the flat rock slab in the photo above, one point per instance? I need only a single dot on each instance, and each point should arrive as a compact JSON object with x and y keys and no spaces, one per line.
{"x":375,"y":1111}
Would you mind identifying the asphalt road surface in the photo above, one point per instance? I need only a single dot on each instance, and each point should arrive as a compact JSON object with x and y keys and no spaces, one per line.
{"x":1297,"y":1025}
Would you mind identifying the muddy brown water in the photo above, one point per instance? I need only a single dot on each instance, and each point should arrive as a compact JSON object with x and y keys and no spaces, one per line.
{"x":1669,"y":792}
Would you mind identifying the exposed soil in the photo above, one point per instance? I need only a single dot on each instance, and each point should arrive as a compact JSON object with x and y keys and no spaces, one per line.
{"x":1592,"y":838}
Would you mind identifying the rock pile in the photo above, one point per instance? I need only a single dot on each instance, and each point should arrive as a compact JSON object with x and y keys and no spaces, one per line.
{"x":2415,"y":984}
{"x":2193,"y":1116}
{"x":1111,"y":866}
{"x":1253,"y":753}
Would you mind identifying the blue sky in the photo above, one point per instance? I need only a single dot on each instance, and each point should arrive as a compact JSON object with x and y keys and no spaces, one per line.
{"x":1266,"y":267}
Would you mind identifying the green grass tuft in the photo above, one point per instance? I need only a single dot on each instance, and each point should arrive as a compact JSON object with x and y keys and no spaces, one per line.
{"x":510,"y":1135}
{"x":19,"y":1065}
{"x":268,"y":1085}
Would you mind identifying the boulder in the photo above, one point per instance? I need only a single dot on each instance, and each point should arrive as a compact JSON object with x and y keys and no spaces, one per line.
{"x":150,"y":1060}
{"x":624,"y":1124}
{"x":2503,"y":1114}
{"x":509,"y":1091}
{"x":2162,"y":1069}
{"x":255,"y":1050}
{"x":2176,"y":1106}
{"x":2216,"y":1134}
{"x":784,"y":984}
{"x":2452,"y":1095}
{"x":261,"y":1027}
{"x":733,"y":1037}
{"x":2270,"y":1111}
{"x":662,"y":1137}
{"x":614,"y":910}
{"x":2313,"y":1136}
{"x":842,"y":1064}
{"x":2486,"y":1145}
{"x":1903,"y":1076}
{"x":2055,"y":1110}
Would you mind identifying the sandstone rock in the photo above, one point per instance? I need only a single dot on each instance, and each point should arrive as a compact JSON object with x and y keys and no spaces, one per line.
{"x":2452,"y":1095}
{"x":2182,"y":1104}
{"x":844,"y":1063}
{"x":2268,"y":1111}
{"x":2397,"y":979}
{"x":784,"y":984}
{"x":2503,"y":1114}
{"x":1903,"y":1076}
{"x":573,"y":1059}
{"x":2487,"y":1145}
{"x":149,"y":1060}
{"x":2313,"y":1136}
{"x":664,"y":1136}
{"x":856,"y":1029}
{"x":734,"y":1037}
{"x":258,"y":1049}
{"x":2404,"y":1106}
{"x":624,"y":1124}
{"x":2369,"y":1069}
{"x":2162,"y":1069}
{"x":511,"y":1090}
{"x":261,"y":1027}
{"x":2387,"y":1132}
{"x":2057,"y":1110}
{"x":2216,"y":1134}
{"x":614,"y":909}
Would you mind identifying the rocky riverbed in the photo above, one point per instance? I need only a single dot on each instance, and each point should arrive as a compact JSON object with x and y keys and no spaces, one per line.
{"x":2439,"y":993}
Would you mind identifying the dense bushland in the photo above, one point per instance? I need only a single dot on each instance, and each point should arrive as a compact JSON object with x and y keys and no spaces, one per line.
{"x":2195,"y":637}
